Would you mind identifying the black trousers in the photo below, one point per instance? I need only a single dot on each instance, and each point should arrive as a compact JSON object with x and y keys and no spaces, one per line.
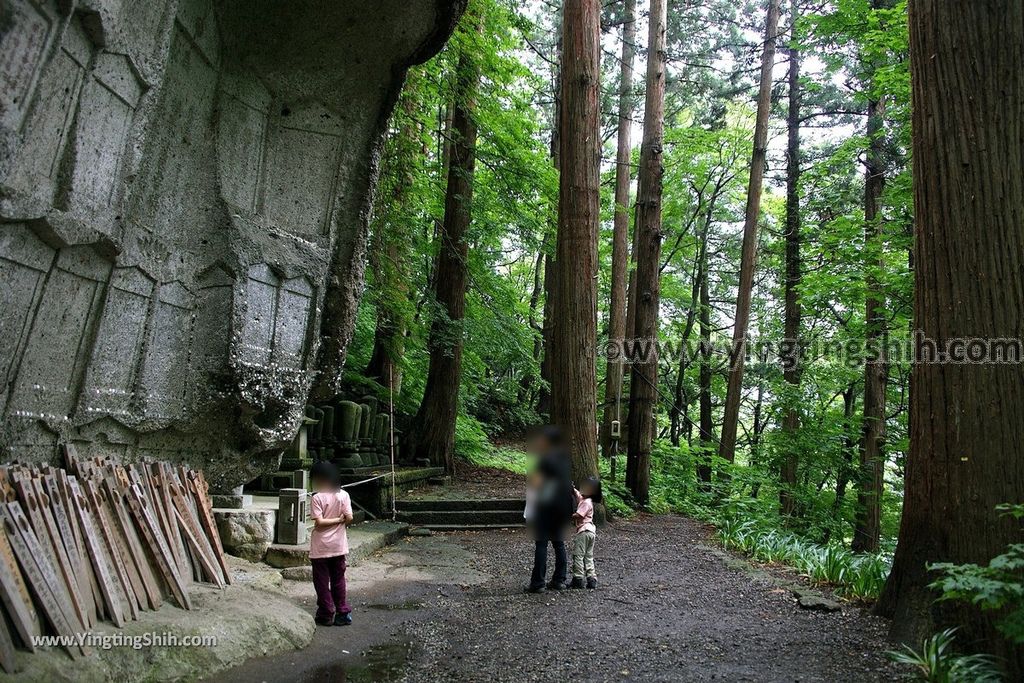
{"x":540,"y":560}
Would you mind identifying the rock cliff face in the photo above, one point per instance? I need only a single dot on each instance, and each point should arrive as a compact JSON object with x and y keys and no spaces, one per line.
{"x":184,"y":192}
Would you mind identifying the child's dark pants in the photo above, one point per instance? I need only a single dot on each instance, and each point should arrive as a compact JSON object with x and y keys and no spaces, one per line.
{"x":329,"y":582}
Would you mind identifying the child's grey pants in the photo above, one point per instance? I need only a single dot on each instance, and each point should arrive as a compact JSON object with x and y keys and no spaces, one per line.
{"x":583,"y":555}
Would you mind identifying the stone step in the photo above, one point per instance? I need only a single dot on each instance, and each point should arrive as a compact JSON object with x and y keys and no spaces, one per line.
{"x":443,"y":505}
{"x":460,"y":518}
{"x":465,"y":527}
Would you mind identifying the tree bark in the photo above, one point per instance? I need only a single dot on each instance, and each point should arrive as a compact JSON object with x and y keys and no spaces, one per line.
{"x":387,"y":262}
{"x":868,"y":522}
{"x":967,"y":69}
{"x":573,"y":373}
{"x":730,"y":422}
{"x":707,"y":423}
{"x":432,"y":434}
{"x":791,"y":364}
{"x":526,"y":383}
{"x":620,"y":230}
{"x":389,"y":334}
{"x":643,"y":392}
{"x":550,"y":267}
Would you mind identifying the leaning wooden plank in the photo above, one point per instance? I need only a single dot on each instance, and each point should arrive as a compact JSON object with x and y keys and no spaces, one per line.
{"x":165,"y":560}
{"x":159,"y":515}
{"x":68,"y":534}
{"x":208,"y":561}
{"x":108,"y":583}
{"x":122,"y":517}
{"x":39,"y":576}
{"x":15,"y":597}
{"x":197,"y":484}
{"x":161,"y":489}
{"x":185,"y":501}
{"x":64,"y":565}
{"x":32,"y":509}
{"x":96,"y":606}
{"x":113,"y":549}
{"x":210,"y":568}
{"x":7,"y":662}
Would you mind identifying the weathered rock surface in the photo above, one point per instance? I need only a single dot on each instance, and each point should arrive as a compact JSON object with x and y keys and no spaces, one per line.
{"x":246,"y":533}
{"x":184,"y":192}
{"x":251,"y":617}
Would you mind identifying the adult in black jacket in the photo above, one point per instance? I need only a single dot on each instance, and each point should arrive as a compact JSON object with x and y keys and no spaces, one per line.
{"x":552,"y":509}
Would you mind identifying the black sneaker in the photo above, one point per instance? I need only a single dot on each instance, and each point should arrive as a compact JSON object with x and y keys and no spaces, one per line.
{"x":556,"y":585}
{"x":342,"y":619}
{"x":324,"y":621}
{"x":592,"y":583}
{"x":536,"y":589}
{"x":577,"y":582}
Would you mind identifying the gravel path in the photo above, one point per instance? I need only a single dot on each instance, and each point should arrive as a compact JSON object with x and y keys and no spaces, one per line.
{"x":669,"y":607}
{"x":666,"y":609}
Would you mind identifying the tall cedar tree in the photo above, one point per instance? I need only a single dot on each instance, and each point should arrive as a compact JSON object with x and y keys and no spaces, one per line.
{"x":748,"y":258}
{"x":966,"y":439}
{"x":386,"y":260}
{"x":643,"y":392}
{"x":707,"y":419}
{"x":573,"y":372}
{"x":867,"y":528}
{"x":791,"y":364}
{"x":550,"y":272}
{"x":432,"y":434}
{"x":620,"y":231}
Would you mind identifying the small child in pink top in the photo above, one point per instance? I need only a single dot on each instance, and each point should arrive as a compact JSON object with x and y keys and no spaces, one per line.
{"x":331,"y":510}
{"x":588,"y":494}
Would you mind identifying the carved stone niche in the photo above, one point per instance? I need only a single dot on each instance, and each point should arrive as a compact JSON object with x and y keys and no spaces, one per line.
{"x":28,"y":30}
{"x":43,"y":129}
{"x":108,"y":102}
{"x":24,"y":262}
{"x":49,"y":370}
{"x":112,"y":381}
{"x":242,"y":133}
{"x":275,"y":320}
{"x":212,"y":339}
{"x":165,"y":393}
{"x":302,"y":160}
{"x":259,"y":310}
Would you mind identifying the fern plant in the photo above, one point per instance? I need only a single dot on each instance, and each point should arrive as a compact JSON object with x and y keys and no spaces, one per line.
{"x":937,"y":662}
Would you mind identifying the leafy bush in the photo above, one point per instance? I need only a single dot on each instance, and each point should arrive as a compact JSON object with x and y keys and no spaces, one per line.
{"x":936,"y":662}
{"x":471,"y":441}
{"x":858,"y":577}
{"x":998,"y":586}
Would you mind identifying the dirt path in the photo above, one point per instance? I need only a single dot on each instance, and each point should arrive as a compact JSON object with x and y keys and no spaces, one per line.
{"x":452,"y":607}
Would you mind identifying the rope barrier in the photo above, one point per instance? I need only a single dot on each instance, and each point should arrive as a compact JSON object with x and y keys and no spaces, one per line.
{"x":363,"y":481}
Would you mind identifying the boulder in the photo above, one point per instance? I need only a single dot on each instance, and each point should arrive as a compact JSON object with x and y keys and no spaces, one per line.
{"x":246,"y":533}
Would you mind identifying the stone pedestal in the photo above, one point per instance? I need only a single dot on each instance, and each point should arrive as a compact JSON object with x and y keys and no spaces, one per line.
{"x":291,"y":517}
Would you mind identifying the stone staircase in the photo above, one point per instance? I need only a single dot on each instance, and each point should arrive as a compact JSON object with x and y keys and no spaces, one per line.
{"x":457,"y":515}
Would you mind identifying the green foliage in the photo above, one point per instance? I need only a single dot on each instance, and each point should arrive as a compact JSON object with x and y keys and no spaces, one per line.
{"x":851,"y":54}
{"x":936,"y":662}
{"x":857,"y":577}
{"x":998,"y":586}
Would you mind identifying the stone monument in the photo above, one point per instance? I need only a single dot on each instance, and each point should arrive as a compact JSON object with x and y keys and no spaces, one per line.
{"x":184,"y":193}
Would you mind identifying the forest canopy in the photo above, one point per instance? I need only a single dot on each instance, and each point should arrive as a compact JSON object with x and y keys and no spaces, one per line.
{"x":748,"y":226}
